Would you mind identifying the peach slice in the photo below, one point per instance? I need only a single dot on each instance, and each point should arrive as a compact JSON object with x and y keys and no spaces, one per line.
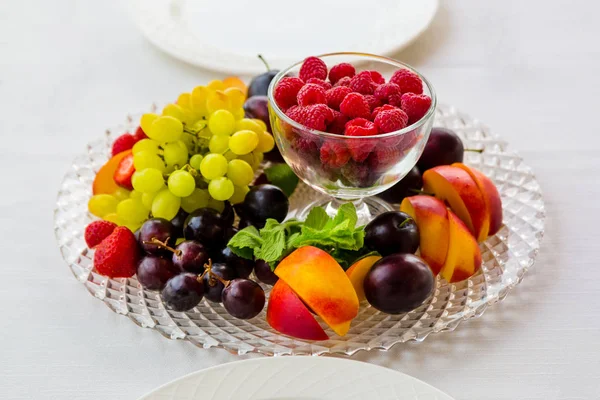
{"x":322,"y":284}
{"x":456,"y":187}
{"x":104,"y":182}
{"x":431,"y":217}
{"x":464,"y":256}
{"x":287,"y":314}
{"x":491,"y":196}
{"x":357,"y":273}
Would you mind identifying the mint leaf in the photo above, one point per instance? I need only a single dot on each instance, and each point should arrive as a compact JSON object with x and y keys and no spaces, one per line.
{"x":346,"y":212}
{"x":281,"y":175}
{"x":317,"y":218}
{"x":245,"y":241}
{"x":273,"y":244}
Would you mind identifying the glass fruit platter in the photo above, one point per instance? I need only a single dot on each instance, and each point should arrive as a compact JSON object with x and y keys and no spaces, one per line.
{"x":506,"y":257}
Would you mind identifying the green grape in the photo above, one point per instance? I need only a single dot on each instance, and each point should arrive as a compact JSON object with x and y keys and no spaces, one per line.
{"x":258,"y":158}
{"x":135,"y":194}
{"x":198,"y":199}
{"x":216,"y":204}
{"x":146,"y":121}
{"x":249,"y":158}
{"x":145,"y":159}
{"x":243,"y":142}
{"x":133,"y":226}
{"x":188,"y":140}
{"x":236,"y":97}
{"x":176,"y":111}
{"x":265,"y":142}
{"x":181,"y":183}
{"x":247,"y":124}
{"x":230,"y":155}
{"x":213,"y":166}
{"x":216,"y":84}
{"x":175,"y":153}
{"x":195,"y":161}
{"x":121,"y":194}
{"x":198,"y":100}
{"x":240,"y":172}
{"x":132,"y":211}
{"x":113,"y":217}
{"x":218,"y":144}
{"x":148,"y":145}
{"x":220,"y":189}
{"x":239,"y":194}
{"x":179,"y":240}
{"x":184,"y":101}
{"x":165,"y":205}
{"x":238,"y":113}
{"x":147,"y":199}
{"x":221,"y":122}
{"x":217,"y":100}
{"x":166,"y":129}
{"x":261,"y":123}
{"x":148,"y":180}
{"x":102,"y":204}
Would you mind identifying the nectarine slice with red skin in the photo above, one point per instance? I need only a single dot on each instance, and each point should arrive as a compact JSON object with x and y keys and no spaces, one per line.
{"x":287,"y":314}
{"x":431,"y":216}
{"x":491,"y":197}
{"x":455,"y":186}
{"x":104,"y":182}
{"x":322,"y":284}
{"x":357,"y":272}
{"x":464,"y":256}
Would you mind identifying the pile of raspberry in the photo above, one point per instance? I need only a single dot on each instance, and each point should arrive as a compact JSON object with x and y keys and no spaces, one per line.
{"x":348,"y":99}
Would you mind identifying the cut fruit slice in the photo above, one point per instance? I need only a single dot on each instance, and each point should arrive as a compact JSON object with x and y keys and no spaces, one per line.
{"x":357,"y":273}
{"x":104,"y":182}
{"x":464,"y":256}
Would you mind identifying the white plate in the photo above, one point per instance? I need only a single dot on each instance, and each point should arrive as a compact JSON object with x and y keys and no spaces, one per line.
{"x":227,"y":36}
{"x":297,"y":378}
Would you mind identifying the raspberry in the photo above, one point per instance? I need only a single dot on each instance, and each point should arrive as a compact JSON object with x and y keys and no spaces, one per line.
{"x":295,"y":113}
{"x":97,"y":231}
{"x":390,"y":120}
{"x":362,"y":83}
{"x":377,"y":77}
{"x":336,"y":95}
{"x":340,"y":71}
{"x":415,"y":106}
{"x":117,"y":255}
{"x":311,"y":94}
{"x":384,"y":107}
{"x":325,"y":85}
{"x":360,"y":148}
{"x":317,"y":116}
{"x":307,"y":148}
{"x":384,"y":158}
{"x":122,"y":143}
{"x":385,"y":91}
{"x":286,"y":92}
{"x":338,"y":124}
{"x":358,"y":175}
{"x":313,"y":67}
{"x":139,"y":134}
{"x":345,"y":81}
{"x":355,"y":105}
{"x":408,"y":81}
{"x":372,"y":101}
{"x":334,"y":154}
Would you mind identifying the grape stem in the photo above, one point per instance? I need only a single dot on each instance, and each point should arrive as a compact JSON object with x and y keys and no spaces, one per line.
{"x":475,"y":150}
{"x":419,"y":191}
{"x":264,"y":62}
{"x":406,"y":221}
{"x":163,"y":245}
{"x":212,"y":277}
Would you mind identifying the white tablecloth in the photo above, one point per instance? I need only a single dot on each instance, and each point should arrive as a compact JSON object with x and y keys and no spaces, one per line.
{"x":529,"y":69}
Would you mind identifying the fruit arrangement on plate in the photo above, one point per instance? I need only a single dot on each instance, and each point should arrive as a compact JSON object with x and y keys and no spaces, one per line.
{"x":195,"y":205}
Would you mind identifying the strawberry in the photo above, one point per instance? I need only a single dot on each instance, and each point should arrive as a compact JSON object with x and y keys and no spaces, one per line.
{"x":122,"y":143}
{"x":139,"y":134}
{"x":97,"y":231}
{"x":117,"y":255}
{"x":124,"y":172}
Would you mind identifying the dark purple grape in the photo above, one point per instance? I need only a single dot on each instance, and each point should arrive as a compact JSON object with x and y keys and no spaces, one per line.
{"x":153,"y":272}
{"x":190,"y":256}
{"x":230,"y":232}
{"x":243,"y":298}
{"x":228,"y":214}
{"x":259,"y":85}
{"x":243,"y":267}
{"x":258,"y":107}
{"x":244,"y":223}
{"x":405,"y":188}
{"x":392,"y":232}
{"x":398,"y":283}
{"x":206,"y":226}
{"x":261,"y":180}
{"x":443,"y":147}
{"x":263,"y":202}
{"x":183,"y":292}
{"x":263,"y":272}
{"x":178,"y":222}
{"x":162,"y":230}
{"x":213,"y":288}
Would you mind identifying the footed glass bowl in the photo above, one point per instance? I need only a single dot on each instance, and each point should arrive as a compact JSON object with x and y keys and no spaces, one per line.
{"x":506,"y":258}
{"x":356,"y":168}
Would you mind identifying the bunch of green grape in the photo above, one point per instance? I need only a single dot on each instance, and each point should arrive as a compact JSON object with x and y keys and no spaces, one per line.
{"x":200,"y":152}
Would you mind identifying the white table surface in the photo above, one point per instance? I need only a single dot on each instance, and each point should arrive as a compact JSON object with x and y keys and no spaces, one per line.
{"x":529,"y":69}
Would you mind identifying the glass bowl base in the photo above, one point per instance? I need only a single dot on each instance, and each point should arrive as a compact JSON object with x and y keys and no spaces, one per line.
{"x":366,"y":208}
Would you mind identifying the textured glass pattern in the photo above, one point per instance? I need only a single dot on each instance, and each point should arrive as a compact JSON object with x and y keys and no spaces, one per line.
{"x":506,"y":258}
